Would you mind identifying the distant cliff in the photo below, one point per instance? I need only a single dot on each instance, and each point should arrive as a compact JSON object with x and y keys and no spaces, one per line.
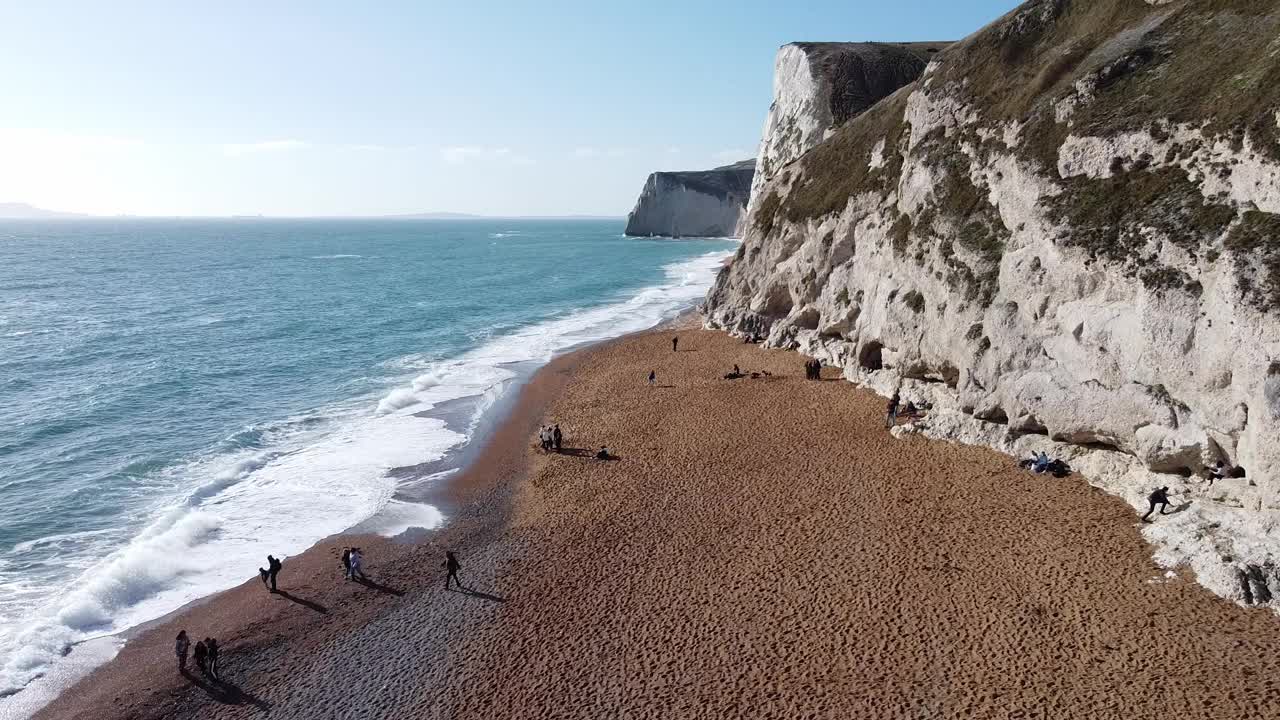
{"x":819,"y":86}
{"x":705,"y":203}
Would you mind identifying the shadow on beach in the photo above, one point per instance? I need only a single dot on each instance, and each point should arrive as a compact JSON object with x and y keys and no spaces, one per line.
{"x":582,"y":453}
{"x":372,"y":585}
{"x":225,"y":692}
{"x":310,"y":604}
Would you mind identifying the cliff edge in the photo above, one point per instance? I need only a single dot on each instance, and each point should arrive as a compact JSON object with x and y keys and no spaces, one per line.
{"x":818,"y":86}
{"x":702,"y":203}
{"x":1065,"y":234}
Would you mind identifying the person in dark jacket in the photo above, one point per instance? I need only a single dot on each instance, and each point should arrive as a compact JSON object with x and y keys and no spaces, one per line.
{"x":180,"y":646}
{"x":201,"y":654}
{"x":675,"y":341}
{"x":211,"y":647}
{"x":268,"y":574}
{"x":453,"y":566}
{"x":557,"y":437}
{"x":891,"y":412}
{"x":1160,"y":497}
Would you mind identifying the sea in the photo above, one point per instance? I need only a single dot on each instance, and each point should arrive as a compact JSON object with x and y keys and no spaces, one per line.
{"x":180,"y":397}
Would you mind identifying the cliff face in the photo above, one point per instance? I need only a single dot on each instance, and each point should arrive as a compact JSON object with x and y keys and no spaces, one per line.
{"x":706,"y":203}
{"x":1068,"y":228}
{"x":819,"y":86}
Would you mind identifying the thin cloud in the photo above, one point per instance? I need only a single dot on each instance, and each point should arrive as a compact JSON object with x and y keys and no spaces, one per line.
{"x":269,"y":146}
{"x":588,"y":153}
{"x":463,"y":154}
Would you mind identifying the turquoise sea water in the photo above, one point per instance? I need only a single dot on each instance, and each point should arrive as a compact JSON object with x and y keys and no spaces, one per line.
{"x":178,"y":398}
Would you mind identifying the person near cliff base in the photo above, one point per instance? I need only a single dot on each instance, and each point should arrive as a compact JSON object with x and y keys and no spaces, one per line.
{"x":891,"y":412}
{"x":653,"y":378}
{"x":202,"y":654}
{"x":1160,"y":497}
{"x":557,"y":437}
{"x":453,"y":566}
{"x":1040,"y":463}
{"x":180,"y":646}
{"x":1218,"y":472}
{"x":211,"y":647}
{"x":675,"y":341}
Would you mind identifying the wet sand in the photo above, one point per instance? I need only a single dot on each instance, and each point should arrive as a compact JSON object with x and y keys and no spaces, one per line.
{"x":761,"y":548}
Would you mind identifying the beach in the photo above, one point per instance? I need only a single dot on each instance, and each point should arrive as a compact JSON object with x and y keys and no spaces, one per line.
{"x":760,"y":547}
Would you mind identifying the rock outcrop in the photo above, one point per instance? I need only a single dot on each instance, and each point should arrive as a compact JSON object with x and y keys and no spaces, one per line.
{"x":704,"y":203}
{"x":1068,"y":228}
{"x":819,"y":86}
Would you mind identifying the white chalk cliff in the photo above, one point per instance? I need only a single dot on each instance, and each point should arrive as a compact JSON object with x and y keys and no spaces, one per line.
{"x":703,"y":203}
{"x":1066,"y":234}
{"x":819,"y":86}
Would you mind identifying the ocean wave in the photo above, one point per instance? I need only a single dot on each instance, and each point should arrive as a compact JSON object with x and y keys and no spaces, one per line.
{"x":340,"y":257}
{"x":281,"y":486}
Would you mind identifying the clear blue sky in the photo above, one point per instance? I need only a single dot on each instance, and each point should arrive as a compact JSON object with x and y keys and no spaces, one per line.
{"x":327,"y":108}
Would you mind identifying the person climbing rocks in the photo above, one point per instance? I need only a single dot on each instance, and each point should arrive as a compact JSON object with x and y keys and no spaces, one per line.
{"x":453,"y":566}
{"x":675,"y":341}
{"x":1159,"y":497}
{"x":180,"y":646}
{"x":201,"y":654}
{"x":557,"y":437}
{"x":1218,"y":472}
{"x":653,"y":378}
{"x":891,"y":412}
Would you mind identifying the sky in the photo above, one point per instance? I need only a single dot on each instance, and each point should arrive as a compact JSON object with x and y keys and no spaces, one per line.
{"x":317,"y":108}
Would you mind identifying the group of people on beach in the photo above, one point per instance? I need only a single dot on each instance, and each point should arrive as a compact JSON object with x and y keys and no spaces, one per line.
{"x":206,"y":655}
{"x":353,"y":563}
{"x":813,"y":370}
{"x":550,"y":438}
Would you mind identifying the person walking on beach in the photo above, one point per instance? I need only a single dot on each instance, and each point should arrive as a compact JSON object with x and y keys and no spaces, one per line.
{"x":1160,"y":497}
{"x":451,"y":563}
{"x":211,"y":647}
{"x":180,"y":646}
{"x":357,"y":564}
{"x":268,"y":574}
{"x":603,"y":454}
{"x":346,"y":563}
{"x":653,"y":378}
{"x":557,"y":437}
{"x":201,"y":655}
{"x":675,"y":341}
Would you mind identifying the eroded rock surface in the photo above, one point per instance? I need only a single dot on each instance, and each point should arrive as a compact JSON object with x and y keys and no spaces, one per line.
{"x":1067,"y":225}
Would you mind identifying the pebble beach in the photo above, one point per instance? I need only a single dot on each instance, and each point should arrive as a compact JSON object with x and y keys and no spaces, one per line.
{"x":759,"y":547}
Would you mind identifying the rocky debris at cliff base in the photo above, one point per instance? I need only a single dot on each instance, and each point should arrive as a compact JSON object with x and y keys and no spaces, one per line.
{"x":1232,"y":552}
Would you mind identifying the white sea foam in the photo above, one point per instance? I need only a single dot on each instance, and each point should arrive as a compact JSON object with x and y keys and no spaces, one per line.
{"x":337,"y":257}
{"x":307,"y":478}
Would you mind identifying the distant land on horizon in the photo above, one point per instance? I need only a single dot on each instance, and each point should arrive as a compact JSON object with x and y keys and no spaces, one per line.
{"x":25,"y":211}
